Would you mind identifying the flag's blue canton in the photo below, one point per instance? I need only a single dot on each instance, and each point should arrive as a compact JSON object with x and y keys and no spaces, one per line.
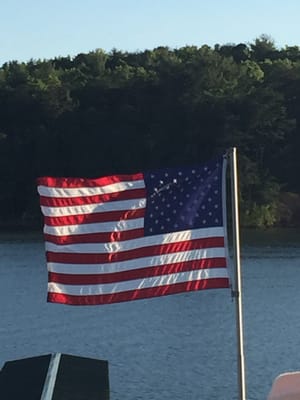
{"x":186,"y":198}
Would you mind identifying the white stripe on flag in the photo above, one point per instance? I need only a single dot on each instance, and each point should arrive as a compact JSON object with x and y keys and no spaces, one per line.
{"x":163,"y":259}
{"x":94,"y":208}
{"x":123,"y":286}
{"x":116,"y":226}
{"x":89,"y":191}
{"x":112,"y":247}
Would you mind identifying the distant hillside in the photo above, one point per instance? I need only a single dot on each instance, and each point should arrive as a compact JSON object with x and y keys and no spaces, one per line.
{"x":102,"y":113}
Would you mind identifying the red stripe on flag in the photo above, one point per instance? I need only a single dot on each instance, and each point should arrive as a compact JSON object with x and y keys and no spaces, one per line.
{"x":95,"y":258}
{"x":213,"y":283}
{"x":87,"y":182}
{"x":146,"y":272}
{"x":84,"y":200}
{"x":100,"y":237}
{"x":94,"y":217}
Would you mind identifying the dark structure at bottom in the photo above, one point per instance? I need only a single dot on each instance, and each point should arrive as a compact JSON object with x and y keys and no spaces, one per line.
{"x":55,"y":377}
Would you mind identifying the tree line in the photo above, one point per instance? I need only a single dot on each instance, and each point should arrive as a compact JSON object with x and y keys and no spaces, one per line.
{"x":112,"y":112}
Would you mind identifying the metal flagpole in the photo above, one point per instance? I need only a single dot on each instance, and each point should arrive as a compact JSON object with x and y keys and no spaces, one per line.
{"x":51,"y":377}
{"x":237,"y":289}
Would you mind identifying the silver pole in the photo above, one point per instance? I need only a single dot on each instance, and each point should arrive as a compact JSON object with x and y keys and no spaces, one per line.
{"x":51,"y":377}
{"x":237,"y":291}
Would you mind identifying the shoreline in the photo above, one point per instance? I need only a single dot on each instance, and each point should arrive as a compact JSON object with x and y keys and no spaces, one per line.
{"x":19,"y":226}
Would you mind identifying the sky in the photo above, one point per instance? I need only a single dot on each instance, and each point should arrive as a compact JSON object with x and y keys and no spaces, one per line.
{"x":44,"y":29}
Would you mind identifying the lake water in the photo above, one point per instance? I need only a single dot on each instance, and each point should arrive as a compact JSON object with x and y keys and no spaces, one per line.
{"x":180,"y":347}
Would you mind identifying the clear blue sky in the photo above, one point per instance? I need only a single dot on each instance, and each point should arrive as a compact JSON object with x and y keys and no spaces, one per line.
{"x":41,"y":29}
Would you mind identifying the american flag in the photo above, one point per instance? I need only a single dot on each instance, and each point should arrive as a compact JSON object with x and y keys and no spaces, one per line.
{"x":128,"y":237}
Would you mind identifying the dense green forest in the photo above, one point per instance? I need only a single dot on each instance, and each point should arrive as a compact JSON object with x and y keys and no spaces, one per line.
{"x":119,"y":112}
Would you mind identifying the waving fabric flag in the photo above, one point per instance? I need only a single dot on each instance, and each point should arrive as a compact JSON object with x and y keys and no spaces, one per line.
{"x":128,"y":237}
